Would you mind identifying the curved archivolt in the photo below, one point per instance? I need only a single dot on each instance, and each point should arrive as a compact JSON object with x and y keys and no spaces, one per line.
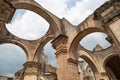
{"x":75,"y":43}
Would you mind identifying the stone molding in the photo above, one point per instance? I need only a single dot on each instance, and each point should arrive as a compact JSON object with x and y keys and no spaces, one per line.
{"x":6,"y":11}
{"x":70,"y":60}
{"x":31,"y":64}
{"x":108,"y":12}
{"x":60,"y":44}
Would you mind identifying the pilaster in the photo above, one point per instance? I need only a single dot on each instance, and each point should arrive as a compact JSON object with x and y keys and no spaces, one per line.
{"x":66,"y":67}
{"x":73,"y":65}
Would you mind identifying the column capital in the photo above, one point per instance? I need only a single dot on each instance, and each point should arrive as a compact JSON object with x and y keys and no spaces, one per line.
{"x":31,"y":64}
{"x":61,"y":39}
{"x":31,"y":68}
{"x":60,"y":44}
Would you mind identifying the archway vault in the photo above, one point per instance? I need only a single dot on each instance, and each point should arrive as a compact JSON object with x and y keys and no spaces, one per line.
{"x":105,"y":60}
{"x":112,"y":64}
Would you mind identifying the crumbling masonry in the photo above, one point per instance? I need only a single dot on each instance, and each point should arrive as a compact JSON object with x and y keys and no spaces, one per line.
{"x":104,"y":64}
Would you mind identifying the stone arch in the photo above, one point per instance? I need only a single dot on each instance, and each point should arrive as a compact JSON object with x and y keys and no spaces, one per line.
{"x":75,"y":43}
{"x":111,"y":65}
{"x":18,"y":43}
{"x":35,"y":7}
{"x":89,"y":59}
{"x":105,"y":60}
{"x":43,"y":42}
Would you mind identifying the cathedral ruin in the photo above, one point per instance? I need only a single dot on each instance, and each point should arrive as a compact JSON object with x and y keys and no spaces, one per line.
{"x":99,"y":64}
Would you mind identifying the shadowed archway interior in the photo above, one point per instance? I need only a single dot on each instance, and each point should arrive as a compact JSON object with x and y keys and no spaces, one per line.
{"x":113,"y":68}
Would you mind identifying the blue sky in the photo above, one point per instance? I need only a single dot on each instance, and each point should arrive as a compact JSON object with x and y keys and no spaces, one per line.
{"x":74,"y":11}
{"x":71,"y":3}
{"x":18,"y":15}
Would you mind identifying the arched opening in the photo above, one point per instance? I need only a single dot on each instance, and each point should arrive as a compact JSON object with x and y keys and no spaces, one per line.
{"x":95,"y":41}
{"x":79,"y":42}
{"x":27,"y":25}
{"x":85,"y":70}
{"x":45,"y":54}
{"x":12,"y":59}
{"x":50,"y":53}
{"x":112,"y":67}
{"x":52,"y":63}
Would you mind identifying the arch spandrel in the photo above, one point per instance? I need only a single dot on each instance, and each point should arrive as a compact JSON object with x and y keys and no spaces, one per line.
{"x":53,"y":20}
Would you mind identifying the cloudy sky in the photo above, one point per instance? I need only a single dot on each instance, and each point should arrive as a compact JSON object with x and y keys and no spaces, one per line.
{"x":74,"y":11}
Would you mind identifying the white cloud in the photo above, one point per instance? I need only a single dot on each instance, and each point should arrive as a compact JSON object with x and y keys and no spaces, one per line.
{"x":90,"y":41}
{"x":76,"y":13}
{"x":82,"y":10}
{"x":57,"y":7}
{"x":11,"y":59}
{"x":30,"y":26}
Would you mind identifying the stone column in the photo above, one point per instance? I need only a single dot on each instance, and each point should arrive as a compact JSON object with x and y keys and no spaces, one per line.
{"x":32,"y":70}
{"x":67,"y":69}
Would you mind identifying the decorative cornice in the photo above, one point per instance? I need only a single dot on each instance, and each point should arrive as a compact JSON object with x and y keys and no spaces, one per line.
{"x":7,"y":11}
{"x":60,"y":42}
{"x":70,"y":60}
{"x":108,"y":12}
{"x":31,"y":73}
{"x":61,"y":36}
{"x":61,"y":52}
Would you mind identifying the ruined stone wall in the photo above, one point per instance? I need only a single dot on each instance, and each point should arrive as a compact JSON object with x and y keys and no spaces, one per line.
{"x":66,"y":38}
